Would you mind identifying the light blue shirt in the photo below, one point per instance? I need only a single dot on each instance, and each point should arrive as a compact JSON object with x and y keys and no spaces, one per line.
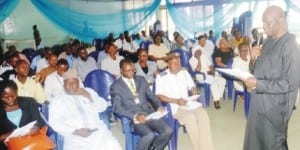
{"x":15,"y":116}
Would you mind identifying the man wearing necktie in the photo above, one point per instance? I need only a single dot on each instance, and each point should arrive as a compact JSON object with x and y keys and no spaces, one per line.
{"x":132,"y":98}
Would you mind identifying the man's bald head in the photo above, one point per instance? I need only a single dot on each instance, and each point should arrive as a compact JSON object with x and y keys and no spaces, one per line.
{"x":274,"y":22}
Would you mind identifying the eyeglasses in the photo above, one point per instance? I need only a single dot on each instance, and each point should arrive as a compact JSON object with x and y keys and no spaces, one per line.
{"x":130,"y":70}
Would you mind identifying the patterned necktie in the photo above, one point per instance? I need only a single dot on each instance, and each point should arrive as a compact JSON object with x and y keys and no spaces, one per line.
{"x":132,"y":87}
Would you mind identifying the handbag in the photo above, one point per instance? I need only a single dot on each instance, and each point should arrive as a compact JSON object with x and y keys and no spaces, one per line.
{"x":38,"y":141}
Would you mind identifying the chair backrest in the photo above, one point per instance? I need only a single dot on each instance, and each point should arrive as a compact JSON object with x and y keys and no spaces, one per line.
{"x":184,"y":58}
{"x":100,"y":81}
{"x":94,"y":54}
{"x":29,"y":53}
{"x":145,"y":44}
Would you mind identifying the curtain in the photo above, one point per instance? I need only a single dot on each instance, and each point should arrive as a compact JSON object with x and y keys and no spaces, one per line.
{"x":202,"y":16}
{"x":87,"y":19}
{"x":6,"y":7}
{"x":194,"y":16}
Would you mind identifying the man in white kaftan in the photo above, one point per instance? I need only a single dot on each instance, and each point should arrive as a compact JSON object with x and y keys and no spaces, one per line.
{"x":74,"y":114}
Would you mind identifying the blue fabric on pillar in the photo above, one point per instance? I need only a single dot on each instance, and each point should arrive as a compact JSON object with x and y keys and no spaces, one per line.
{"x":6,"y":7}
{"x":88,"y":20}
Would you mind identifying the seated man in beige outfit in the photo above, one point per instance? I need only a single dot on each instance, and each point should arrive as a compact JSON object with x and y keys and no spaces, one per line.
{"x":173,"y":86}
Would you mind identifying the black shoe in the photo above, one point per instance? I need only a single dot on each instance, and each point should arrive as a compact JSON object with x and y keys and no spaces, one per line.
{"x":217,"y":104}
{"x":294,"y":108}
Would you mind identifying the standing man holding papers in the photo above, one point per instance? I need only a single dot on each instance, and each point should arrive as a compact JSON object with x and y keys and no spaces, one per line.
{"x":132,"y":98}
{"x":274,"y":85}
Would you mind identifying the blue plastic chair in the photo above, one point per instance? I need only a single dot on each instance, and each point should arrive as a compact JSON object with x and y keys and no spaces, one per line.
{"x":174,"y":124}
{"x":246,"y":95}
{"x":145,"y":44}
{"x":30,"y":53}
{"x":94,"y":54}
{"x":57,"y":138}
{"x":100,"y":81}
{"x":205,"y":86}
{"x":184,"y":57}
{"x":131,"y":138}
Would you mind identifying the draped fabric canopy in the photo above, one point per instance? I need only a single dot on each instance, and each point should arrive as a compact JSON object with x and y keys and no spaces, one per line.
{"x":6,"y":7}
{"x":192,"y":16}
{"x":87,"y":20}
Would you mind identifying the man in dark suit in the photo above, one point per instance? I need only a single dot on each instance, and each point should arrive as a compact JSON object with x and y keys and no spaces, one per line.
{"x":132,"y":98}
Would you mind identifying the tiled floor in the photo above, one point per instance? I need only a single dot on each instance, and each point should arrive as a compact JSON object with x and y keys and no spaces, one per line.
{"x":228,"y":129}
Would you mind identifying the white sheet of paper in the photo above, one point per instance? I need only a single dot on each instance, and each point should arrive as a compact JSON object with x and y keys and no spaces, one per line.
{"x":21,"y":131}
{"x":236,"y":73}
{"x":190,"y":105}
{"x":156,"y":115}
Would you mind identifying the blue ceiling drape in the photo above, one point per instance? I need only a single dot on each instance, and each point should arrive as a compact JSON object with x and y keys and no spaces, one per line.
{"x":87,"y":21}
{"x":6,"y":7}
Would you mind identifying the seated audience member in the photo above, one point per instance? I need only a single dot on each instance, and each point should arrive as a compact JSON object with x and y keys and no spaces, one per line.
{"x":144,"y":67}
{"x":241,"y":62}
{"x":11,"y":73}
{"x":112,"y":61}
{"x":206,"y":47}
{"x":109,"y":39}
{"x":119,"y":42}
{"x":179,"y":43}
{"x":172,"y":86}
{"x":129,"y":49}
{"x":223,"y":55}
{"x":131,"y":97}
{"x":16,"y":111}
{"x":36,"y":59}
{"x":211,"y":36}
{"x":144,"y":36}
{"x":257,"y":38}
{"x":200,"y":62}
{"x":73,"y":113}
{"x":102,"y":55}
{"x":158,"y":52}
{"x":41,"y":76}
{"x":236,"y":40}
{"x":43,"y":63}
{"x":84,"y":64}
{"x":165,"y":39}
{"x":12,"y":50}
{"x":27,"y":86}
{"x":54,"y":82}
{"x":70,"y":53}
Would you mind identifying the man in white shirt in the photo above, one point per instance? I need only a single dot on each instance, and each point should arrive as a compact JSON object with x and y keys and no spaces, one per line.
{"x":43,"y":62}
{"x":54,"y":82}
{"x":84,"y":64}
{"x":200,"y":62}
{"x":74,"y":114}
{"x":206,"y":47}
{"x":241,"y":62}
{"x":112,"y":61}
{"x":173,"y":86}
{"x":120,"y":41}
